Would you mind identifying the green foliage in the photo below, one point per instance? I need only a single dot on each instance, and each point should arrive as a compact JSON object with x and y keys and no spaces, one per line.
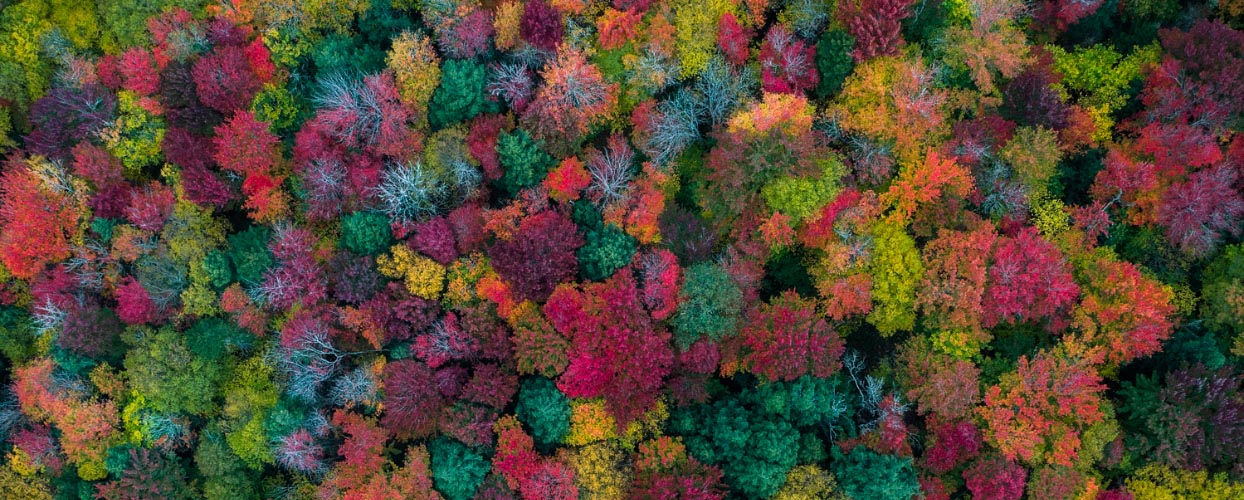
{"x":225,"y":477}
{"x":213,"y":338}
{"x":366,"y":233}
{"x":456,"y":470}
{"x":136,"y":135}
{"x":896,"y":269}
{"x":24,"y":74}
{"x":524,"y":161}
{"x":544,"y":409}
{"x":350,"y":54}
{"x":279,"y":108}
{"x":708,"y":305}
{"x":605,"y":251}
{"x":216,"y":264}
{"x":1222,"y":297}
{"x":460,"y":95}
{"x":17,"y":335}
{"x":800,"y":197}
{"x":834,"y":61}
{"x":753,"y":451}
{"x":248,"y":251}
{"x":125,"y":21}
{"x":168,"y":375}
{"x":863,"y":473}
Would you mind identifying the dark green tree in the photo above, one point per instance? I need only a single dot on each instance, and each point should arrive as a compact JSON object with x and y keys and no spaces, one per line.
{"x":366,"y":233}
{"x":708,"y":305}
{"x":605,"y":251}
{"x":525,"y":163}
{"x":544,"y":409}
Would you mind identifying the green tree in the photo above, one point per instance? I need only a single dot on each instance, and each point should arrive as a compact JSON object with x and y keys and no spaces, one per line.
{"x":708,"y":305}
{"x":544,"y":409}
{"x":456,"y":470}
{"x":366,"y":233}
{"x":524,"y":161}
{"x":225,"y":477}
{"x":754,"y":450}
{"x":460,"y":95}
{"x":604,"y":251}
{"x":834,"y":61}
{"x":866,"y":474}
{"x":248,"y":251}
{"x":896,"y":270}
{"x":171,"y":378}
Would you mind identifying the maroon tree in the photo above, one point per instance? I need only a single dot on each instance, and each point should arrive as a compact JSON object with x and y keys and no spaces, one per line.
{"x":540,"y":255}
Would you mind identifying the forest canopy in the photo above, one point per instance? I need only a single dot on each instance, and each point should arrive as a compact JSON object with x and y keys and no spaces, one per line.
{"x":622,"y":249}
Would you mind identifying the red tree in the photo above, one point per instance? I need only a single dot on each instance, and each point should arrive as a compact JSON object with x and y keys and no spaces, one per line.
{"x":1038,"y":412}
{"x":224,"y":79}
{"x":1123,"y":311}
{"x":875,"y":24}
{"x":615,"y":349}
{"x":541,"y":25}
{"x":1195,"y":213}
{"x":539,"y":256}
{"x":1030,"y":279}
{"x":733,"y":39}
{"x":36,"y":222}
{"x":788,"y":64}
{"x":412,"y":402}
{"x":786,"y":339}
{"x":996,"y":478}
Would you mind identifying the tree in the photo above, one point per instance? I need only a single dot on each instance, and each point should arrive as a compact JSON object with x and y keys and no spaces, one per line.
{"x":539,"y":256}
{"x":615,"y":351}
{"x":460,"y":95}
{"x":416,"y":70}
{"x":896,"y":269}
{"x":1156,"y":481}
{"x":541,"y":25}
{"x":771,"y":141}
{"x":732,"y":39}
{"x":456,"y":470}
{"x":864,"y":473}
{"x":1124,"y":312}
{"x":224,"y":79}
{"x":1038,"y":412}
{"x":952,"y":291}
{"x":992,"y":476}
{"x":754,"y":452}
{"x":365,"y":233}
{"x":788,"y":64}
{"x":708,"y":305}
{"x":942,"y":385}
{"x":38,"y":218}
{"x":523,"y":160}
{"x":411,"y":400}
{"x":574,"y":98}
{"x":1196,"y":212}
{"x":148,"y":474}
{"x":604,"y":252}
{"x":1185,"y":422}
{"x":544,"y":409}
{"x":785,"y":339}
{"x":423,"y":277}
{"x":875,"y":24}
{"x":834,"y":60}
{"x":809,"y":482}
{"x":170,"y":377}
{"x":664,"y":470}
{"x":1222,"y":294}
{"x":1029,"y":280}
{"x":893,"y":101}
